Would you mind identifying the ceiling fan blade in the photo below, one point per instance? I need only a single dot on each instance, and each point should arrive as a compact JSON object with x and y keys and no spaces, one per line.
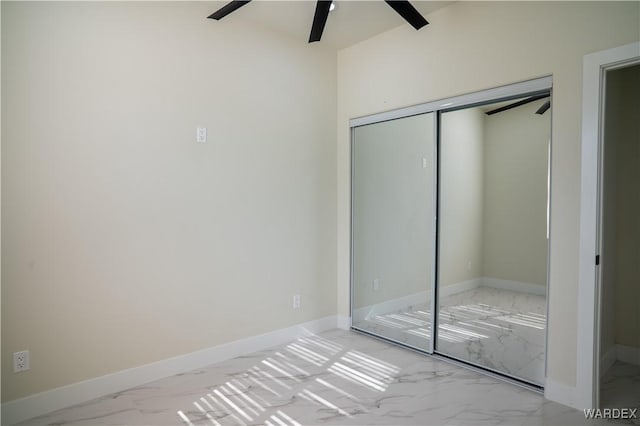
{"x":408,"y":12}
{"x":517,"y":104}
{"x":545,"y":106}
{"x":227,"y":9}
{"x":319,"y":20}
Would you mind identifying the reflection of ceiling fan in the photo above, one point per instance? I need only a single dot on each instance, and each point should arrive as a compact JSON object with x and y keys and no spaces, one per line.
{"x":545,"y":106}
{"x":403,"y":7}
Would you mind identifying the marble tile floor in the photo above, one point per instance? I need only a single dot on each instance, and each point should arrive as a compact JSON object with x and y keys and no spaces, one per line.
{"x":336,"y":378}
{"x":499,"y":329}
{"x":620,"y":388}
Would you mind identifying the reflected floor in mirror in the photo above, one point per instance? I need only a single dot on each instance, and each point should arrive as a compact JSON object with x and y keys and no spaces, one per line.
{"x":335,"y":377}
{"x":499,"y":329}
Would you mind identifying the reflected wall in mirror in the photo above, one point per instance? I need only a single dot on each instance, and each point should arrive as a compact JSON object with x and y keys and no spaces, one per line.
{"x":493,"y":233}
{"x":393,"y":241}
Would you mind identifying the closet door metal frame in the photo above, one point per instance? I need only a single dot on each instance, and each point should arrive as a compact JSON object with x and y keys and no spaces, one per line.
{"x":503,"y":93}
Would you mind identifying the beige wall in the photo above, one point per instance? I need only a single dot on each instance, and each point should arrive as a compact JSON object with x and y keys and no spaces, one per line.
{"x":622,"y":155}
{"x":471,"y":46}
{"x":124,"y":241}
{"x":461,"y":196}
{"x":393,"y":208}
{"x":516,"y":154}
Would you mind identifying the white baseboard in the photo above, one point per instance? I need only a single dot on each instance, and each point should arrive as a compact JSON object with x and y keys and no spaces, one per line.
{"x":344,"y":322}
{"x":459,"y":287}
{"x":608,"y":359}
{"x":561,"y":393}
{"x":498,"y":283}
{"x":522,"y":287}
{"x":628,"y":354}
{"x":580,"y":399}
{"x":392,"y":305}
{"x":76,"y":393}
{"x":402,"y":303}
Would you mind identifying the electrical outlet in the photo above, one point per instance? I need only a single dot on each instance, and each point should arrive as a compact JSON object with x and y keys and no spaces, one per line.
{"x":375,"y":284}
{"x":296,"y":301}
{"x":20,"y":361}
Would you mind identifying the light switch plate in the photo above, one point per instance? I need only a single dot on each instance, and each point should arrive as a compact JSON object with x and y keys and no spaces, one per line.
{"x":201,"y":135}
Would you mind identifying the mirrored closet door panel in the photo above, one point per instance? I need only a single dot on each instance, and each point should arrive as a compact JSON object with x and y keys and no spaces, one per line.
{"x":393,"y":225}
{"x":493,"y":236}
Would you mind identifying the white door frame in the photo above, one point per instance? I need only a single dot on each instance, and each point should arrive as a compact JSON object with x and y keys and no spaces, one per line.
{"x":594,"y":67}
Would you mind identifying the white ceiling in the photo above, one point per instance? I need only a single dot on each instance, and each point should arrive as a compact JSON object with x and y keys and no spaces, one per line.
{"x":351,"y":22}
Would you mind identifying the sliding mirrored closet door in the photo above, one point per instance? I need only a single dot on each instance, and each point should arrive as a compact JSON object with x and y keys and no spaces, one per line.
{"x":493,"y":236}
{"x":450,"y":227}
{"x":393,"y":229}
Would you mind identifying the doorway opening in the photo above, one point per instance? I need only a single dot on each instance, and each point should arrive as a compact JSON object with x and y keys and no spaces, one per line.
{"x":619,"y":322}
{"x":595,"y":68}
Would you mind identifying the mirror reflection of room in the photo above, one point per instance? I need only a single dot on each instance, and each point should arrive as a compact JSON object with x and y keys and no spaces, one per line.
{"x":494,"y":177}
{"x":393,"y":228}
